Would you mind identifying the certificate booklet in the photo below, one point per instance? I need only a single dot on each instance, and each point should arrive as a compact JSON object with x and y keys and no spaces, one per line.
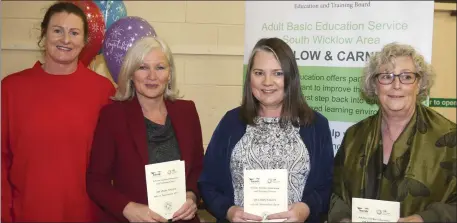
{"x":368,"y":210}
{"x":265,"y":192}
{"x":166,"y":187}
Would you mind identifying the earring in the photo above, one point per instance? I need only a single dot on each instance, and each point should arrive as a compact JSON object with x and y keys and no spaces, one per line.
{"x":169,"y":86}
{"x":131,"y":83}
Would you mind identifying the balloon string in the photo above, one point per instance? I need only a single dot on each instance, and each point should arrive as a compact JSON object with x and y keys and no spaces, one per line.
{"x":93,"y":64}
{"x":108,"y":6}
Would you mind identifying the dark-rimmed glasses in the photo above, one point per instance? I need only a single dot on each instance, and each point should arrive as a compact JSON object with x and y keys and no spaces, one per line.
{"x":404,"y":77}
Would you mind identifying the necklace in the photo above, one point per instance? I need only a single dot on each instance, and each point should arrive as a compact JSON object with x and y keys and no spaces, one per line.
{"x":388,"y":131}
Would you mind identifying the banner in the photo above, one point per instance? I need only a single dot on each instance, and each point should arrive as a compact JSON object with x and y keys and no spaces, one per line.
{"x":332,"y":40}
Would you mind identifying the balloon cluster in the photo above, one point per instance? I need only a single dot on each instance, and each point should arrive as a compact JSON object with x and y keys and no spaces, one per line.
{"x":111,"y":32}
{"x":96,"y":33}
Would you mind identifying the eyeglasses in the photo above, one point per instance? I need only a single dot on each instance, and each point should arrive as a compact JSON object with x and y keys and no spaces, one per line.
{"x":405,"y":77}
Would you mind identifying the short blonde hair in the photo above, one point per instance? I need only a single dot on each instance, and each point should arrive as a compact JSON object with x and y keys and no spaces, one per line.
{"x":388,"y":53}
{"x":133,"y":60}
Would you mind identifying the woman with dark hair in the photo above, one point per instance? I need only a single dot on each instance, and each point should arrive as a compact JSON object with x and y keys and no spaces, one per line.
{"x":49,"y":114}
{"x":273,"y":129}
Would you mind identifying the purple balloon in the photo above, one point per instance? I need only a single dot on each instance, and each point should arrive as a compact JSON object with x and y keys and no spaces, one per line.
{"x":119,"y":37}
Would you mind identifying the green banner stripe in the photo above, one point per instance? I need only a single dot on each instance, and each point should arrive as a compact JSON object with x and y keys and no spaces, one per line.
{"x":335,"y":92}
{"x":443,"y":102}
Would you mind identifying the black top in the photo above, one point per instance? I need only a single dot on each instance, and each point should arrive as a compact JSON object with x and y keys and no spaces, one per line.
{"x":162,"y":143}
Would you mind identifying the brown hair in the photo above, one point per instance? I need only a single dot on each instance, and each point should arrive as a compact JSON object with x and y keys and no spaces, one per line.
{"x":294,"y":108}
{"x":67,"y":7}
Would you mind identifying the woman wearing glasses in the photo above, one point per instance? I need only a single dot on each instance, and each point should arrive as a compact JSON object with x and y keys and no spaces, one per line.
{"x":406,"y":152}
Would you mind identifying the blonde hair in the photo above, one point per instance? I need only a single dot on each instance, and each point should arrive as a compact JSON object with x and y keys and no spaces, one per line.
{"x":387,"y":55}
{"x":133,"y":60}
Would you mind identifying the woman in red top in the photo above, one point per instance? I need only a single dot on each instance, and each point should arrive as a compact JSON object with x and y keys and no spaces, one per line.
{"x":49,"y":113}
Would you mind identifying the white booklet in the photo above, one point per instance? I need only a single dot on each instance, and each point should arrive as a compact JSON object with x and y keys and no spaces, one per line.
{"x":369,"y":210}
{"x":265,"y":192}
{"x":166,"y":187}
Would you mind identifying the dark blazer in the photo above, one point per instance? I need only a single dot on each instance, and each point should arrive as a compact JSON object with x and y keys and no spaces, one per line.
{"x":215,"y":183}
{"x":116,"y":173}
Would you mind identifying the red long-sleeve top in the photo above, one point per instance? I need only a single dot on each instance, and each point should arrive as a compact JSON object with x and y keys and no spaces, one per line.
{"x":48,"y":123}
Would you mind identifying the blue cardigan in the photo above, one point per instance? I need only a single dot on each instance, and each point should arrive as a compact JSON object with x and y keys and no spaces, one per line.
{"x":215,"y":183}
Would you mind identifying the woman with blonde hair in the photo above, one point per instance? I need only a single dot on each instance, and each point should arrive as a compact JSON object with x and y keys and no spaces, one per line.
{"x":146,"y":124}
{"x":406,"y":152}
